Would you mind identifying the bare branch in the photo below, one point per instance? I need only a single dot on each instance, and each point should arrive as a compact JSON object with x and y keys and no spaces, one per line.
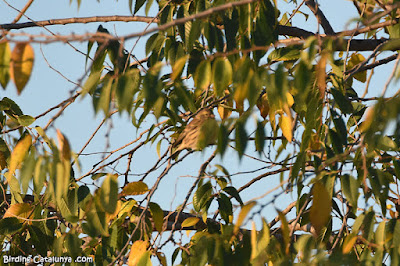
{"x":320,"y":17}
{"x":84,"y":20}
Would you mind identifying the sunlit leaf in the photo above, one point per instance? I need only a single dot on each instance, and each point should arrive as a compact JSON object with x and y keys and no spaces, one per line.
{"x":263,"y":105}
{"x":25,"y":120}
{"x":5,"y":57}
{"x":138,"y":249}
{"x":320,"y":212}
{"x":286,"y":126}
{"x":243,"y":214}
{"x":191,"y":221}
{"x":202,"y":77}
{"x":178,"y":67}
{"x":349,"y":242}
{"x":22,"y":211}
{"x":22,"y":58}
{"x":356,"y":59}
{"x":135,"y":188}
{"x":109,"y":193}
{"x":222,"y":75}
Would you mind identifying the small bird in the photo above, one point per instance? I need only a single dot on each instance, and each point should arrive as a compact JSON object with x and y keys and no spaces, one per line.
{"x":196,"y":136}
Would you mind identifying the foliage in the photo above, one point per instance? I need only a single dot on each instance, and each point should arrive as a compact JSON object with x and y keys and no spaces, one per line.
{"x":340,"y":150}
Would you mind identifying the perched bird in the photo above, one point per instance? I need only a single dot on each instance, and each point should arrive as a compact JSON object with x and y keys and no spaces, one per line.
{"x":199,"y":133}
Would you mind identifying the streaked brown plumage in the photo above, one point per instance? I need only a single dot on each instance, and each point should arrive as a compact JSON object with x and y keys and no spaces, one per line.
{"x":189,"y":137}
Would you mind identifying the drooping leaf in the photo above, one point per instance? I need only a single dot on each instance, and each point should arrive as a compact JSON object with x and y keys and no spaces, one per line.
{"x":287,"y":127}
{"x":178,"y":67}
{"x":109,"y":193}
{"x":243,"y":214}
{"x":4,"y":154}
{"x":127,"y":86}
{"x":355,"y":59}
{"x":240,"y":138}
{"x":260,"y":137}
{"x":222,"y":75}
{"x":5,"y":58}
{"x":158,"y":215}
{"x":202,"y":77}
{"x":22,"y":59}
{"x":320,"y":212}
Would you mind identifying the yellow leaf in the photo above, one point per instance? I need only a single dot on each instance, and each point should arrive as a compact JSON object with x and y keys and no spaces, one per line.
{"x":22,"y":211}
{"x":138,"y":249}
{"x":320,"y":212}
{"x":263,"y":105}
{"x":225,"y":108}
{"x":289,"y":99}
{"x":349,"y":243}
{"x":286,"y":126}
{"x":22,"y":58}
{"x":242,"y":215}
{"x":18,"y":154}
{"x":64,"y":146}
{"x":135,"y":188}
{"x":369,"y":118}
{"x":5,"y":57}
{"x":321,"y":75}
{"x":191,"y":221}
{"x":111,"y":216}
{"x":178,"y":67}
{"x":356,"y":59}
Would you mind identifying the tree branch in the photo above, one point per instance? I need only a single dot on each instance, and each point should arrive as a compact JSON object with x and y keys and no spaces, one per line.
{"x":320,"y":17}
{"x":84,"y":20}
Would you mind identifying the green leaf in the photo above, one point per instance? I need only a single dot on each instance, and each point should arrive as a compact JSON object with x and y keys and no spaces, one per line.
{"x":231,"y":26}
{"x":151,"y":86}
{"x":91,"y":83}
{"x":6,"y":104}
{"x":109,"y":193}
{"x":240,"y":138}
{"x":105,"y":96}
{"x":234,"y":193}
{"x":39,"y":177}
{"x":25,"y":120}
{"x":158,"y":215}
{"x":343,"y":103}
{"x":285,"y":54}
{"x":350,"y":189}
{"x":127,"y":86}
{"x":195,"y":31}
{"x":5,"y":57}
{"x":225,"y":208}
{"x":138,"y":5}
{"x":178,"y":67}
{"x":202,"y":77}
{"x":336,"y":141}
{"x":27,"y":171}
{"x":4,"y":154}
{"x":222,"y":75}
{"x":260,"y":137}
{"x":201,"y":196}
{"x":320,"y":211}
{"x":9,"y":225}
